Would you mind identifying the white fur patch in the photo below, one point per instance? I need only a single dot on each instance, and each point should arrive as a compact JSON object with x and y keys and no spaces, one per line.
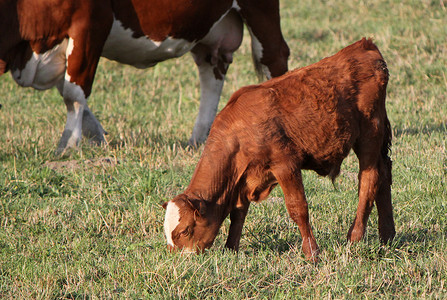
{"x":141,"y":52}
{"x":172,"y":219}
{"x":236,"y":5}
{"x":42,"y":70}
{"x":68,"y":52}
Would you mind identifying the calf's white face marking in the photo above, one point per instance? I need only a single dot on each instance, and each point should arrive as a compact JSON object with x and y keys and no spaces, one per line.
{"x":172,"y":219}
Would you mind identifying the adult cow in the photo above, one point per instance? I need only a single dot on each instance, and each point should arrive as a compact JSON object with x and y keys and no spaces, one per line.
{"x":46,"y":43}
{"x":309,"y":118}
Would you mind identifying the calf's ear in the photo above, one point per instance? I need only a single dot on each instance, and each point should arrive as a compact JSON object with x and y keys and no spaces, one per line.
{"x":199,"y":206}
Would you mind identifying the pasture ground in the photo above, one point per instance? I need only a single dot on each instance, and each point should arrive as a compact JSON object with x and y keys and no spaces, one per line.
{"x":91,"y":226}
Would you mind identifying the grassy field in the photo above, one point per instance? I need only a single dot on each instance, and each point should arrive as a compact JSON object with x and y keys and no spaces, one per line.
{"x":91,"y":226}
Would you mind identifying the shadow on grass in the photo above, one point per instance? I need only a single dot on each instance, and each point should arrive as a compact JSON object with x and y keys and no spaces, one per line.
{"x":277,"y":246}
{"x":427,"y":129}
{"x":153,"y":140}
{"x":410,"y":242}
{"x":269,"y":238}
{"x":72,"y":296}
{"x":422,"y":238}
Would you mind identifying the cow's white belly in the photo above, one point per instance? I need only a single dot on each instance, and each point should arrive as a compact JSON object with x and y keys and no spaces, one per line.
{"x":44,"y":70}
{"x":141,"y":52}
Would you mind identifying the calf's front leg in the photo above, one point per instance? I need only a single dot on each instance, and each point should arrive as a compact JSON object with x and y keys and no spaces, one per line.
{"x":237,"y":217}
{"x":296,"y":203}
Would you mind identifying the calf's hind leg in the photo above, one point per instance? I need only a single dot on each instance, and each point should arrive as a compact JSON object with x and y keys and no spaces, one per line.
{"x":374,"y":186}
{"x":383,"y":202}
{"x":368,"y":188}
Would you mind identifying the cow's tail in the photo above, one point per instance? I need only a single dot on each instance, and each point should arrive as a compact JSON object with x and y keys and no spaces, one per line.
{"x":262,"y":71}
{"x":269,"y":57}
{"x":269,"y":49}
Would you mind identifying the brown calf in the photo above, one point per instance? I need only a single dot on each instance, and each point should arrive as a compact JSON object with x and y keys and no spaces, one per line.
{"x":309,"y":118}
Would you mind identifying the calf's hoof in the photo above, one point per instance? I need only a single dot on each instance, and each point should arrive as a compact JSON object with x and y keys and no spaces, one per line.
{"x":311,"y":251}
{"x":355,"y":234}
{"x":387,"y":234}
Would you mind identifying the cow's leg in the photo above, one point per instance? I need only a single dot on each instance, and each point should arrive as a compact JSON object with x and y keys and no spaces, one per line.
{"x":296,"y":203}
{"x":80,"y":120}
{"x":212,"y":56}
{"x":374,"y":186}
{"x":75,"y":101}
{"x":269,"y":49}
{"x":84,"y":49}
{"x":211,"y":84}
{"x":237,"y":217}
{"x":91,"y":128}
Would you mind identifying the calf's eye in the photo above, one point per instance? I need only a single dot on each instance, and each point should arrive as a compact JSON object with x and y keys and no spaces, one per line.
{"x":185,"y":232}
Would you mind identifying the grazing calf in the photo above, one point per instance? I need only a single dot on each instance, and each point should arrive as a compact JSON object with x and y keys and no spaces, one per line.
{"x":309,"y":118}
{"x":47,"y":43}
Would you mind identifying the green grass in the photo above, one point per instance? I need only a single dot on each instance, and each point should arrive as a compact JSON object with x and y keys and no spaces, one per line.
{"x":93,"y":227}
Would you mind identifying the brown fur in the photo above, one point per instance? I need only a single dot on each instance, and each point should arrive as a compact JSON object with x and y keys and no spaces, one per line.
{"x":39,"y":25}
{"x":309,"y":118}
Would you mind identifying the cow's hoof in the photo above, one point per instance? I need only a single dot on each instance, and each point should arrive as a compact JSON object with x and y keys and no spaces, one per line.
{"x":97,"y":140}
{"x":68,"y":141}
{"x":195,"y":143}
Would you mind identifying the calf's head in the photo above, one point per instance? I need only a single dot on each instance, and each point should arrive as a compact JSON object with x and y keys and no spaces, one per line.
{"x":186,"y":225}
